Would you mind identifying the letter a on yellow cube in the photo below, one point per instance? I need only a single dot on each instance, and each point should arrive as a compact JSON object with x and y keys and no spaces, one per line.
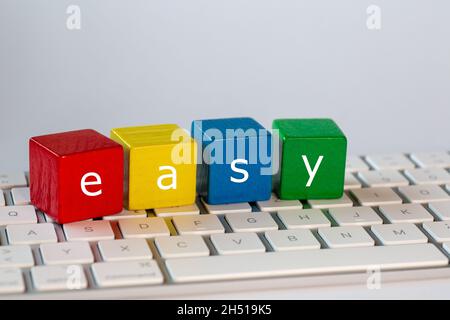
{"x":160,"y":166}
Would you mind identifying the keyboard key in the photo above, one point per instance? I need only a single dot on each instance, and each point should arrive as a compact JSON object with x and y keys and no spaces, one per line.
{"x":198,"y":224}
{"x":355,"y":216}
{"x":344,"y":201}
{"x":383,"y":178}
{"x":305,"y":262}
{"x":19,"y":256}
{"x":181,"y":246}
{"x":126,"y":273}
{"x":243,"y":207}
{"x":124,"y":249}
{"x":286,"y":240}
{"x":12,"y":180}
{"x":274,"y":204}
{"x":408,"y":212}
{"x":439,"y":231}
{"x":143,"y":228}
{"x":2,"y":199}
{"x":17,"y":215}
{"x":344,"y":237}
{"x":431,"y":159}
{"x":237,"y":243}
{"x":11,"y":281}
{"x":376,"y":196}
{"x":400,"y":233}
{"x":389,"y":161}
{"x":66,"y":253}
{"x":177,"y":211}
{"x":350,"y":182}
{"x":127,"y":214}
{"x":355,"y":164}
{"x":88,"y":231}
{"x":56,"y":278}
{"x":446,"y":246}
{"x":441,"y":209}
{"x":251,"y":222}
{"x":428,"y":176}
{"x":36,"y":233}
{"x":304,"y":219}
{"x":424,"y":193}
{"x":21,"y":196}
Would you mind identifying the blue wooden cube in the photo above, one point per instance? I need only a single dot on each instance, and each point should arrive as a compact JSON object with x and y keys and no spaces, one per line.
{"x":235,"y":160}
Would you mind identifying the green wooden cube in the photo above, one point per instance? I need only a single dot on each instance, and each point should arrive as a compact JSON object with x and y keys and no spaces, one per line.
{"x":312,"y":155}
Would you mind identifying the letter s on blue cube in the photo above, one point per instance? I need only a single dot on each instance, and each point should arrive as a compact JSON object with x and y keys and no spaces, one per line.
{"x":235,"y":160}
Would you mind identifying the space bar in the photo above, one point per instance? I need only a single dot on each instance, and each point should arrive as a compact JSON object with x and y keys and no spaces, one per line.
{"x":304,"y":262}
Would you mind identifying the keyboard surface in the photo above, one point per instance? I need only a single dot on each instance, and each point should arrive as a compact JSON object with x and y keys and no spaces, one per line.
{"x":394,"y":216}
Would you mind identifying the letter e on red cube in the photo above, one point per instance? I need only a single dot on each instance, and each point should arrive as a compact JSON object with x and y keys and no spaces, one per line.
{"x":76,"y":175}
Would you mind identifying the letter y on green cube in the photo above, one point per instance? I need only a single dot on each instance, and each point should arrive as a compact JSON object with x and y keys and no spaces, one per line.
{"x":313,"y":153}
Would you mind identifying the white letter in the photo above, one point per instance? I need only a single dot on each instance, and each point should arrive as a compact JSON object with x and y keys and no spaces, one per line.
{"x":85,"y":183}
{"x":311,"y":173}
{"x":373,"y":21}
{"x":73,"y":21}
{"x":242,"y":171}
{"x":172,"y":175}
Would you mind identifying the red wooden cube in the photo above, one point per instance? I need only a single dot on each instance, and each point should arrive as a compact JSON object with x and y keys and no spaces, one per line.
{"x":76,"y":175}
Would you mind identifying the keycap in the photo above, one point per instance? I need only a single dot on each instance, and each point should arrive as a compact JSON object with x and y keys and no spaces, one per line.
{"x":355,"y":164}
{"x":18,"y":256}
{"x":431,"y":159}
{"x":407,"y":212}
{"x":88,"y":231}
{"x":303,"y":219}
{"x":76,"y":175}
{"x":441,"y":209}
{"x":198,"y":224}
{"x":177,"y":211}
{"x":2,"y":199}
{"x":399,"y":233}
{"x":350,"y":182}
{"x":11,"y":281}
{"x":161,"y":165}
{"x":343,"y":237}
{"x":227,"y":208}
{"x":305,"y":262}
{"x":251,"y":222}
{"x":181,"y":246}
{"x":127,"y":214}
{"x":383,"y":178}
{"x":124,"y":249}
{"x":439,"y":231}
{"x":17,"y":215}
{"x":428,"y":176}
{"x":287,"y":240}
{"x":389,"y":161}
{"x":312,"y":160}
{"x":126,"y":273}
{"x":376,"y":196}
{"x":344,"y":201}
{"x":35,"y":233}
{"x":20,"y":196}
{"x":56,"y":278}
{"x":355,"y":216}
{"x":143,"y":228}
{"x":423,"y":193}
{"x":446,"y":246}
{"x":237,"y":160}
{"x":274,"y":204}
{"x":66,"y":253}
{"x":237,"y":243}
{"x":12,"y":180}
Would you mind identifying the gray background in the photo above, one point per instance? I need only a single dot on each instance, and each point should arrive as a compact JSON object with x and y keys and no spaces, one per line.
{"x":148,"y":62}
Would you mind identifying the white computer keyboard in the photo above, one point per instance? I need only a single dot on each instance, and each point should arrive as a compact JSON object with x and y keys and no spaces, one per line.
{"x":394,"y":215}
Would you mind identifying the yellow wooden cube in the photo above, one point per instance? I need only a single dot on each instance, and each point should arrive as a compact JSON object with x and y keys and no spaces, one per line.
{"x":160,"y":166}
